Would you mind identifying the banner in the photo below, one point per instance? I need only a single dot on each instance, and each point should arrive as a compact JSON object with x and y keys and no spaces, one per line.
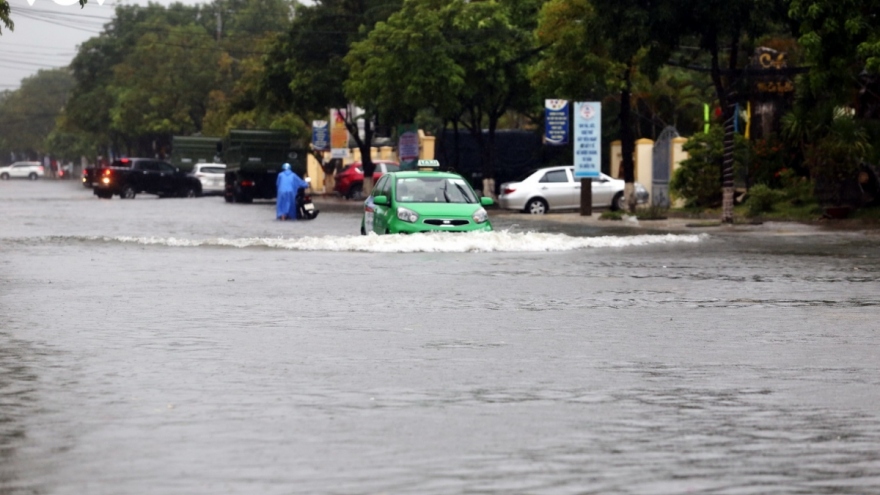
{"x":587,"y":140}
{"x":556,"y":122}
{"x":408,"y":146}
{"x":338,"y":134}
{"x":320,"y":135}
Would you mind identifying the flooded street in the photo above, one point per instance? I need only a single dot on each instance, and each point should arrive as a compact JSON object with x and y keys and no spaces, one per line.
{"x":188,"y":346}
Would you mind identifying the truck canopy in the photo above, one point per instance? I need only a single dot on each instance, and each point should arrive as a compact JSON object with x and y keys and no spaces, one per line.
{"x":257,"y":150}
{"x":186,"y":151}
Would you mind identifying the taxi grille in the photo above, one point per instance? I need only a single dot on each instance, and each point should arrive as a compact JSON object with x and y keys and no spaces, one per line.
{"x":441,"y":222}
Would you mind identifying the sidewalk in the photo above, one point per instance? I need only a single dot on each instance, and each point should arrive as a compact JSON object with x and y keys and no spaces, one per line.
{"x":331,"y":202}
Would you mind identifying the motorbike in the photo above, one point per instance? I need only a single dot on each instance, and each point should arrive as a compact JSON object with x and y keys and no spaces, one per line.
{"x":305,"y":209}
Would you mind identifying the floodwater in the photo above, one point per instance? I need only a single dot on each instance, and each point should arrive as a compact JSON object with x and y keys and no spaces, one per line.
{"x":188,"y":346}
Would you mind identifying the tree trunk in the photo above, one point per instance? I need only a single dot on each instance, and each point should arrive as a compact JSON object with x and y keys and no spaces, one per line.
{"x":727,"y":163}
{"x":627,"y":141}
{"x":364,"y":146}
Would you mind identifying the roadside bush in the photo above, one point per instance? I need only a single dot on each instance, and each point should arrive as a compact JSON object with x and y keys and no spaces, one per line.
{"x":796,"y":189}
{"x":761,"y":199}
{"x":611,"y":215}
{"x":698,"y":180}
{"x":651,"y":212}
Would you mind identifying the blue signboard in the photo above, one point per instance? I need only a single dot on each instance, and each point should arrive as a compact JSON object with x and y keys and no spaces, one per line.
{"x":587,"y":139}
{"x":320,"y":135}
{"x":556,"y":122}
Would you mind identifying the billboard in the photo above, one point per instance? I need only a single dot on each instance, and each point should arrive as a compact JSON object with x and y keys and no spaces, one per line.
{"x":338,"y":134}
{"x":556,"y":122}
{"x":320,"y":135}
{"x":587,"y":139}
{"x":408,"y":145}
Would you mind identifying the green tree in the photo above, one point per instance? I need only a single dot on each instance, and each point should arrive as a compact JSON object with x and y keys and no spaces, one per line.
{"x":305,"y":72}
{"x":722,"y":29}
{"x":841,"y":41}
{"x":162,"y":86}
{"x":27,"y":115}
{"x":479,"y":52}
{"x":595,"y":47}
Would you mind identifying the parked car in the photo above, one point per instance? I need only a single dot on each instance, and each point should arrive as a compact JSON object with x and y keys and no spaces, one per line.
{"x":556,"y":188}
{"x":410,"y":202}
{"x":212,"y":177}
{"x":22,"y":170}
{"x":350,"y":180}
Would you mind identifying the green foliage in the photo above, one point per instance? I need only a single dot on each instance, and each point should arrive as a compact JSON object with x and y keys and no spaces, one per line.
{"x":478,"y":54}
{"x":612,"y":215}
{"x":698,"y":179}
{"x":797,"y":190}
{"x":836,"y":155}
{"x":768,"y":157}
{"x":156,"y":71}
{"x":153,"y":95}
{"x":761,"y":198}
{"x":27,"y":115}
{"x":4,"y":16}
{"x":841,"y":38}
{"x":652,"y":212}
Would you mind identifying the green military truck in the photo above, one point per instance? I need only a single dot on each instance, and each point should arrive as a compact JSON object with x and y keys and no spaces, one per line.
{"x":253,"y":159}
{"x":186,"y":151}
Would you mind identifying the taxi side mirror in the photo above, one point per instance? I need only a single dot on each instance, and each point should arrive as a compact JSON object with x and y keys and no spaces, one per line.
{"x":381,"y":200}
{"x":487,"y":201}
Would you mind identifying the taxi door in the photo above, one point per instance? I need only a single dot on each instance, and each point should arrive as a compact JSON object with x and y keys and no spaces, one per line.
{"x":377,"y":220}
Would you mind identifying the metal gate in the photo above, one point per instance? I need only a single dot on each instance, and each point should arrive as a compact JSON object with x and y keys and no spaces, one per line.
{"x":662,"y":167}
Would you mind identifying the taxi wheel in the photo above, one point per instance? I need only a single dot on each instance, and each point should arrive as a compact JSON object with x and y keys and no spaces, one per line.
{"x":536,"y":206}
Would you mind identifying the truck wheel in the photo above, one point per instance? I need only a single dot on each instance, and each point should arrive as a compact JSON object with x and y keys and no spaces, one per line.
{"x":128,"y":193}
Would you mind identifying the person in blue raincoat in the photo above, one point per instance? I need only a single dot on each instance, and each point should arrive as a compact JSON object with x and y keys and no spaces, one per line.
{"x":287,"y":184}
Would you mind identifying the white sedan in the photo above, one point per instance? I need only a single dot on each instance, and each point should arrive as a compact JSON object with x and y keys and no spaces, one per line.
{"x":556,"y":188}
{"x":22,"y":170}
{"x":212,"y":176}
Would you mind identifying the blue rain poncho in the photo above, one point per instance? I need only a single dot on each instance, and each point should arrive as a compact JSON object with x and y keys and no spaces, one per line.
{"x":287,"y":184}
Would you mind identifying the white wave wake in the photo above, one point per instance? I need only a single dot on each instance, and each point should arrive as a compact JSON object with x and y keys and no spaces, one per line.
{"x":476,"y":242}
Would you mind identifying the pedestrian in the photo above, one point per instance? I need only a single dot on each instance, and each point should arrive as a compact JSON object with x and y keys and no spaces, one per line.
{"x":287,"y":185}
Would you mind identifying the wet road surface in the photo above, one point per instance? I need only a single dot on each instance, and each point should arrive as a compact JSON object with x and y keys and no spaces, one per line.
{"x":187,"y":346}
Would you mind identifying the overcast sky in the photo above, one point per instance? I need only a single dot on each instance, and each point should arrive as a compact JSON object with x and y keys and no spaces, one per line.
{"x":47,"y":35}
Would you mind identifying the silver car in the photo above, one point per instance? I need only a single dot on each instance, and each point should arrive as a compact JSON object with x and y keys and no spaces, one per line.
{"x":212,"y":177}
{"x":556,"y":188}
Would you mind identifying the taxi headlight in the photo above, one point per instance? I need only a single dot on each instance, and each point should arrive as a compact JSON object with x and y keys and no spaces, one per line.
{"x":407,"y":215}
{"x":480,"y":215}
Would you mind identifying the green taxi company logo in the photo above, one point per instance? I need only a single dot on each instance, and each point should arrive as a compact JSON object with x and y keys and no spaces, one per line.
{"x":64,"y":3}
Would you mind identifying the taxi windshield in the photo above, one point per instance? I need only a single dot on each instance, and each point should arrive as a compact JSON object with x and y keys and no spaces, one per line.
{"x":434,"y":190}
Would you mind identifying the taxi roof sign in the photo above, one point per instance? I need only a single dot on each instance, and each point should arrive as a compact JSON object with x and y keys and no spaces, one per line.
{"x":431,"y":165}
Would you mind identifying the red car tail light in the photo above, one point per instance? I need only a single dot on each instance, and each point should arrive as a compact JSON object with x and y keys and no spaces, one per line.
{"x":508,"y":190}
{"x":247,"y":183}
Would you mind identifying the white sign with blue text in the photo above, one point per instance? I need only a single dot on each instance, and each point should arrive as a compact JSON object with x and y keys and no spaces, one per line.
{"x":587,"y":139}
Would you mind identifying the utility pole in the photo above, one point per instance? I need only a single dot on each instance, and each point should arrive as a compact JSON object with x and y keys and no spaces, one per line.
{"x":219,"y":25}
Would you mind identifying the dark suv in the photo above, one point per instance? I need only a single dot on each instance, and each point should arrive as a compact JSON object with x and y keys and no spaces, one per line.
{"x":129,"y":176}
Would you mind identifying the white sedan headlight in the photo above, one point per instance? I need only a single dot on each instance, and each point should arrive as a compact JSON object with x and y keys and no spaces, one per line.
{"x":407,"y":215}
{"x":480,"y":215}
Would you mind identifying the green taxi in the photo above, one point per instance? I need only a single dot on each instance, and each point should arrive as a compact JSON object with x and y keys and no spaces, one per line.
{"x":424,"y":200}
